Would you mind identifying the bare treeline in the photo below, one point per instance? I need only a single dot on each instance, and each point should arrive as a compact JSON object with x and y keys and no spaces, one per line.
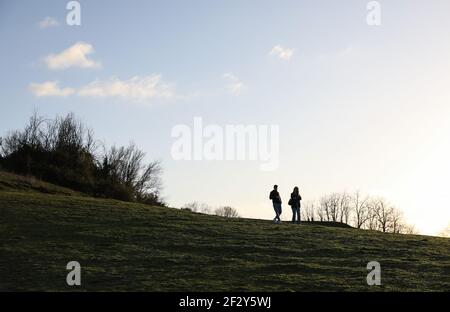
{"x":358,"y":210}
{"x":63,"y":151}
{"x":225,"y":211}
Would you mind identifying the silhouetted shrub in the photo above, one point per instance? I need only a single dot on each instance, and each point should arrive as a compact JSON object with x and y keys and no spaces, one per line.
{"x":227,"y":212}
{"x":63,"y":151}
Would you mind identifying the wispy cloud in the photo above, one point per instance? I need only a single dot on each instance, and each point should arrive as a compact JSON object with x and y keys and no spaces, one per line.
{"x":50,"y":89}
{"x":48,"y":22}
{"x":234,"y":84}
{"x":137,"y":88}
{"x":282,"y":52}
{"x":74,"y":56}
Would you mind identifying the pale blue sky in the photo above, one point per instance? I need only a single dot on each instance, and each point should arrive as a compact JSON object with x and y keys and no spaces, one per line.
{"x":359,"y":107}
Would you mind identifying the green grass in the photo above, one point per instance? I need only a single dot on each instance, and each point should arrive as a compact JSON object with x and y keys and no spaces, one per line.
{"x":125,"y":246}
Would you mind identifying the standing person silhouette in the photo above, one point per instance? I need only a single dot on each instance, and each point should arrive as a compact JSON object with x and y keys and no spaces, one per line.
{"x":276,"y":201}
{"x":294,"y":202}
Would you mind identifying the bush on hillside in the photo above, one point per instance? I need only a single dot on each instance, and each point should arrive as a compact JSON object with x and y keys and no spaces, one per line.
{"x":64,"y":152}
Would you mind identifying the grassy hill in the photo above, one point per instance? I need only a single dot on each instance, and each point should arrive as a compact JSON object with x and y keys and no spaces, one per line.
{"x":125,"y":246}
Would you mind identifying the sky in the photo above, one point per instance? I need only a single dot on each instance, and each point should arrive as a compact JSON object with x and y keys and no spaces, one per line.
{"x":358,"y":106}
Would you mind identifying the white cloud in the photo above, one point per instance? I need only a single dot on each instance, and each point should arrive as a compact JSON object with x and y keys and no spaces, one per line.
{"x":48,"y":22}
{"x":50,"y":88}
{"x":282,"y":52}
{"x":234,"y":84}
{"x":75,"y":56}
{"x":137,"y":88}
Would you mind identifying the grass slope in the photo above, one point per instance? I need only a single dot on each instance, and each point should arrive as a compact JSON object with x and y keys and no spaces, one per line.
{"x":13,"y":182}
{"x":124,"y":246}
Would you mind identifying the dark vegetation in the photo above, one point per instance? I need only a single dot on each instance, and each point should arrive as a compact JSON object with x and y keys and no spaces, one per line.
{"x":10,"y":182}
{"x":64,"y":151}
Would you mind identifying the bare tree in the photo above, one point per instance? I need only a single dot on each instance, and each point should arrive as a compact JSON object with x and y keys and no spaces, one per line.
{"x":309,"y":211}
{"x":360,"y":209}
{"x":327,"y":208}
{"x":33,"y":132}
{"x":29,"y":137}
{"x":397,"y":224}
{"x":343,"y":207}
{"x":372,"y":221}
{"x":384,"y":215}
{"x":333,"y":201}
{"x":227,"y":212}
{"x":334,"y":207}
{"x":11,"y":143}
{"x":126,"y":165}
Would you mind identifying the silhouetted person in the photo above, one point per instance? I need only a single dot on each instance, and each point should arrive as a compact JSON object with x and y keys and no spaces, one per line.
{"x":294,"y":202}
{"x":276,"y":201}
